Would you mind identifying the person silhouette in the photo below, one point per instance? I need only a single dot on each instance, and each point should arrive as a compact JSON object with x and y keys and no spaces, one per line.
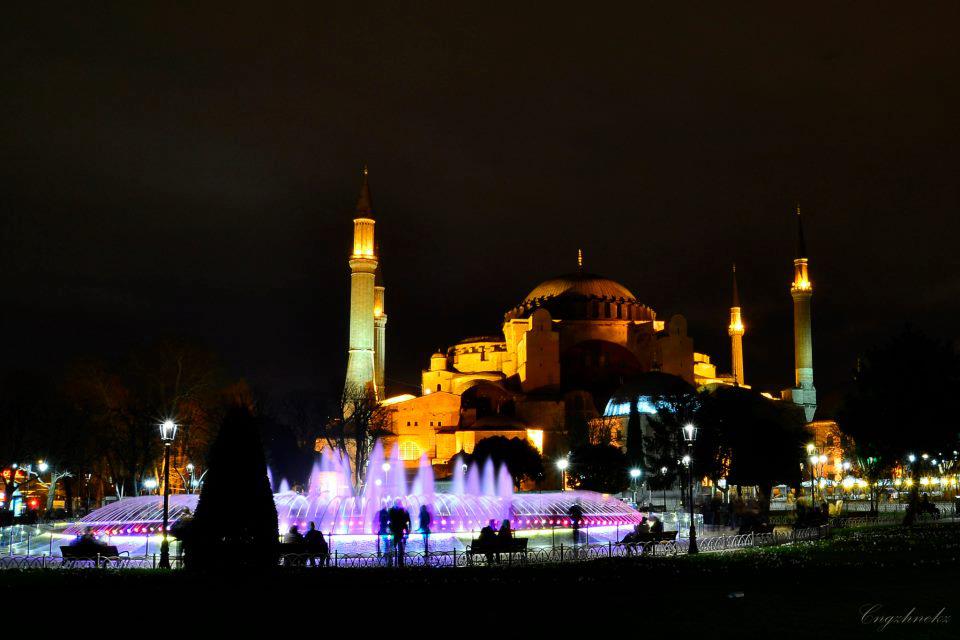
{"x":424,"y":528}
{"x":383,"y":532}
{"x":576,"y":515}
{"x":487,"y":540}
{"x":316,"y":546}
{"x":399,"y":528}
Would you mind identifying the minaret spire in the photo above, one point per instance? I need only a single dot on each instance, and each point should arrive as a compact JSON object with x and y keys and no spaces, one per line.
{"x":364,"y":207}
{"x":364,"y":297}
{"x":801,"y":290}
{"x":736,"y":330}
{"x":801,"y":243}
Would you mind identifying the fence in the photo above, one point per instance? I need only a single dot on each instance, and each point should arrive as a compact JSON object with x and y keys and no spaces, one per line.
{"x":561,"y":554}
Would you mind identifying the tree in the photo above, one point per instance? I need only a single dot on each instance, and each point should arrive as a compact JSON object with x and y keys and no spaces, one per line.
{"x":902,"y":401}
{"x":635,"y":453}
{"x":236,"y":519}
{"x":761,"y":440}
{"x":578,"y":430}
{"x":36,"y":426}
{"x":601,"y":468}
{"x":523,"y":460}
{"x":359,"y":419}
{"x":122,"y":402}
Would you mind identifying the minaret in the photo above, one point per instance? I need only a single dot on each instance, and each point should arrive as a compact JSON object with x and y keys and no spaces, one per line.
{"x":363,"y":267}
{"x":736,"y":331}
{"x":379,"y":332}
{"x":801,"y":290}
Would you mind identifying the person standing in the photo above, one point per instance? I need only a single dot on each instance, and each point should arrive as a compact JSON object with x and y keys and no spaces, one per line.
{"x":425,"y":521}
{"x":399,"y":529}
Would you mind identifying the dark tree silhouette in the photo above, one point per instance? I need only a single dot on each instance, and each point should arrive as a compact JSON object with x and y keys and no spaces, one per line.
{"x":902,"y":401}
{"x":760,"y":439}
{"x":635,"y":453}
{"x":523,"y":460}
{"x":598,"y":467}
{"x":236,"y":520}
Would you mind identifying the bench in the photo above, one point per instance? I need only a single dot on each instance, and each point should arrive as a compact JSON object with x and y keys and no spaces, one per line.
{"x":647,"y":543}
{"x":92,"y":553}
{"x":296,"y":554}
{"x":498,"y":547}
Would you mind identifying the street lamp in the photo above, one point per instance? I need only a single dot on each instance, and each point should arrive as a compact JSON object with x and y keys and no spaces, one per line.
{"x":42,"y":466}
{"x":190,"y":469}
{"x":663,"y":487}
{"x":168,"y":431}
{"x":634,"y":476}
{"x":690,"y":436}
{"x":562,"y":464}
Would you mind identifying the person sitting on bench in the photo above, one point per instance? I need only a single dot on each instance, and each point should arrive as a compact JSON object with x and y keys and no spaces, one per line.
{"x":488,"y":539}
{"x":87,"y":541}
{"x":316,"y":546}
{"x":657,"y":528}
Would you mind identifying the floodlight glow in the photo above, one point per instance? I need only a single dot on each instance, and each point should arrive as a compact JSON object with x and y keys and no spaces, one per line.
{"x":562,"y":464}
{"x":43,"y":466}
{"x":634,"y":473}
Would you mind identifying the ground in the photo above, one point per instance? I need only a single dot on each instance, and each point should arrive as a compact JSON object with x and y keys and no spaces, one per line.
{"x":801,"y":590}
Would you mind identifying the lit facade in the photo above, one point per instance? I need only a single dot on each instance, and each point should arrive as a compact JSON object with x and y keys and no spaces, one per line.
{"x":801,"y":290}
{"x":366,"y":355}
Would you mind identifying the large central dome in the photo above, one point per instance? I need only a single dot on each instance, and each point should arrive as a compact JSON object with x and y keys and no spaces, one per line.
{"x":587,"y":285}
{"x":582,"y":296}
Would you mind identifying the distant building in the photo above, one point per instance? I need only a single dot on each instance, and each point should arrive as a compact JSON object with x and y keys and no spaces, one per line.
{"x":561,"y":354}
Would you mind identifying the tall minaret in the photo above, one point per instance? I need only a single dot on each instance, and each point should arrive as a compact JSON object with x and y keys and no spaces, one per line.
{"x":736,"y":334}
{"x":361,"y":370}
{"x":801,"y":290}
{"x":379,"y":332}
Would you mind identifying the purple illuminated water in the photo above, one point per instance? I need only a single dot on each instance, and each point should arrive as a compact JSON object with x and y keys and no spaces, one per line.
{"x":478,"y":494}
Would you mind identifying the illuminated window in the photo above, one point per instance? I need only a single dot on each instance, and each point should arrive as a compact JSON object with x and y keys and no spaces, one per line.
{"x":409,"y":451}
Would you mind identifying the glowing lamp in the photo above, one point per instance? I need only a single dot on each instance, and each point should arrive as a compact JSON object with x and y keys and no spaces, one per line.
{"x":168,"y":430}
{"x":686,"y":460}
{"x":42,"y":466}
{"x":634,"y":473}
{"x":690,"y":433}
{"x":563,"y":464}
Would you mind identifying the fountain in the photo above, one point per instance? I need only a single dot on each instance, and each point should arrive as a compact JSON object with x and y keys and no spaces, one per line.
{"x":479,"y":493}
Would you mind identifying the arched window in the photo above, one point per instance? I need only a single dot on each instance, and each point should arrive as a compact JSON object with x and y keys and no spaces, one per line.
{"x":438,"y":386}
{"x":409,"y":450}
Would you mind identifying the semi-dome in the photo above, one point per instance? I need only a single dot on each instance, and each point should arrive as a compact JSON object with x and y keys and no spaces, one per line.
{"x":580,"y":285}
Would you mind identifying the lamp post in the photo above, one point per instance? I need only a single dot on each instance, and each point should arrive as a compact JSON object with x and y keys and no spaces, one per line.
{"x":690,"y":436}
{"x":634,"y":476}
{"x":168,"y":431}
{"x":562,"y":464}
{"x":190,"y":469}
{"x":663,"y":487}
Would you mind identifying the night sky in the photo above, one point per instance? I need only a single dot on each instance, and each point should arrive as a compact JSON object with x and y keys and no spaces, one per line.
{"x":167,"y":172}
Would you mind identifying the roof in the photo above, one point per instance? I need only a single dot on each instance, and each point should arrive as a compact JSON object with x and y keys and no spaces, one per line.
{"x":581,"y":285}
{"x":364,"y":201}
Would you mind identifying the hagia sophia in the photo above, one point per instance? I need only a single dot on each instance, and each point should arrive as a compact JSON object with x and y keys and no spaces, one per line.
{"x":561,"y":354}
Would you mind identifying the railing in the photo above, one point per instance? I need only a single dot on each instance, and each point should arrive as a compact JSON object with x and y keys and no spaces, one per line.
{"x":561,"y":554}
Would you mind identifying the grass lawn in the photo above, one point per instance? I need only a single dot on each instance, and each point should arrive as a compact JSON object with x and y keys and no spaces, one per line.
{"x":802,"y":590}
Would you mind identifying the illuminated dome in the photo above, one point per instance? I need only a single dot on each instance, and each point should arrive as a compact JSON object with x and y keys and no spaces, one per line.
{"x":583,"y":296}
{"x":579,"y":285}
